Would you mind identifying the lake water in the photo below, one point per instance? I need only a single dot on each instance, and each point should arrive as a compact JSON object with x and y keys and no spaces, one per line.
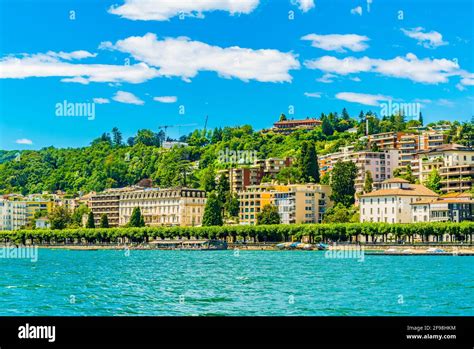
{"x":203,"y":283}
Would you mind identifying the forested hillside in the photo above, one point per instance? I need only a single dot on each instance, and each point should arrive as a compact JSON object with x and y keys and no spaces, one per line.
{"x":109,"y":162}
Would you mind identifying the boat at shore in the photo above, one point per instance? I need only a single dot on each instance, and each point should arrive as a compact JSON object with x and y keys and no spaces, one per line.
{"x":191,"y":245}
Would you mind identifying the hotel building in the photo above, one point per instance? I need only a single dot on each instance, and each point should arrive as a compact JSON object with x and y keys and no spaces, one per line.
{"x":164,"y":207}
{"x":392,"y":203}
{"x":296,"y":203}
{"x":107,"y":203}
{"x":289,"y":126}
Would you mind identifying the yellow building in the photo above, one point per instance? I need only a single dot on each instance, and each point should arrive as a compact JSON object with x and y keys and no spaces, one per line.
{"x":296,"y":203}
{"x":34,"y":206}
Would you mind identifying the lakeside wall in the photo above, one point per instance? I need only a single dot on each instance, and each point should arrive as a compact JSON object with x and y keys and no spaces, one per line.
{"x":353,"y":232}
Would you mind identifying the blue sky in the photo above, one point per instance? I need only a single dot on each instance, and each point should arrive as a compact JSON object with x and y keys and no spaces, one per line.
{"x":147,"y":63}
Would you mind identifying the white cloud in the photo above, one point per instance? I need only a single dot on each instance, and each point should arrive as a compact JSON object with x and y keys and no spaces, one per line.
{"x":430,"y":39}
{"x":127,"y":97}
{"x":430,"y":71}
{"x":467,"y":79}
{"x":185,"y":58}
{"x":357,"y":11}
{"x":24,"y":141}
{"x":81,"y":54}
{"x":305,"y":5}
{"x":100,"y":100}
{"x":338,"y":42}
{"x":162,"y":10}
{"x":313,"y":94}
{"x":166,"y":99}
{"x":50,"y":64}
{"x":445,"y":102}
{"x":362,"y":98}
{"x":327,"y":78}
{"x":344,"y":66}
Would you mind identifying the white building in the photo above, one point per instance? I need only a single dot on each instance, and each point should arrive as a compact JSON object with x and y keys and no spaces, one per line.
{"x":164,"y":207}
{"x":392,"y":202}
{"x":13,"y":214}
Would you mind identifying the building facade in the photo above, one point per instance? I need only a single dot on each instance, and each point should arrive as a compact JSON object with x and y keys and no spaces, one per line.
{"x":380,"y":164}
{"x":289,"y":126}
{"x":13,"y":214}
{"x":393,"y":202}
{"x":296,"y":203}
{"x":443,"y":210}
{"x":454,"y":163}
{"x":164,"y":207}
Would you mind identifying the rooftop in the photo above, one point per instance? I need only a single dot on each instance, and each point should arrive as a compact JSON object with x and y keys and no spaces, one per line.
{"x":412,"y":190}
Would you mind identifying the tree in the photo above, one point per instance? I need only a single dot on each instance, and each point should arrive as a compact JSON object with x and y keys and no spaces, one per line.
{"x":104,"y":221}
{"x":208,"y":179}
{"x":309,"y":163}
{"x":326,"y":178}
{"x":420,"y":118}
{"x":290,"y":174}
{"x":232,"y":205}
{"x":269,"y":215}
{"x":345,"y":114}
{"x":212,"y":211}
{"x":368,"y":182}
{"x":433,"y":181}
{"x":343,"y":177}
{"x":78,"y":213}
{"x":116,"y":137}
{"x":136,"y":219}
{"x":90,"y":221}
{"x":339,"y":214}
{"x":59,"y":217}
{"x":326,"y":126}
{"x":223,"y":188}
{"x":282,"y":117}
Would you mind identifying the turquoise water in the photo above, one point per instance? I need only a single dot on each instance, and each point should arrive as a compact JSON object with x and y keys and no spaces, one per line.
{"x":222,"y":283}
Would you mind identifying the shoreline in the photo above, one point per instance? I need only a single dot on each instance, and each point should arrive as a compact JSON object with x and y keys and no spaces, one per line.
{"x":414,"y":249}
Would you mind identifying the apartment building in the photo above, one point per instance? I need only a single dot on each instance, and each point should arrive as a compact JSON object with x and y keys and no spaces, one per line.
{"x":448,"y":209}
{"x":296,"y":203}
{"x":455,"y":164}
{"x":13,"y":214}
{"x":33,"y":206}
{"x":385,"y":141}
{"x":380,"y":164}
{"x":164,"y":207}
{"x":392,"y":203}
{"x":107,"y":203}
{"x":242,"y":177}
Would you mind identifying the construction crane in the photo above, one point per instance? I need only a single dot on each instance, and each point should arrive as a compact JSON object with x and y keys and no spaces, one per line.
{"x":165,"y":127}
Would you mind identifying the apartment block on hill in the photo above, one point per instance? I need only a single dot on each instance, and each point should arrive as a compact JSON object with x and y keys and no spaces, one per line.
{"x":380,"y":164}
{"x":454,"y":162}
{"x":296,"y":203}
